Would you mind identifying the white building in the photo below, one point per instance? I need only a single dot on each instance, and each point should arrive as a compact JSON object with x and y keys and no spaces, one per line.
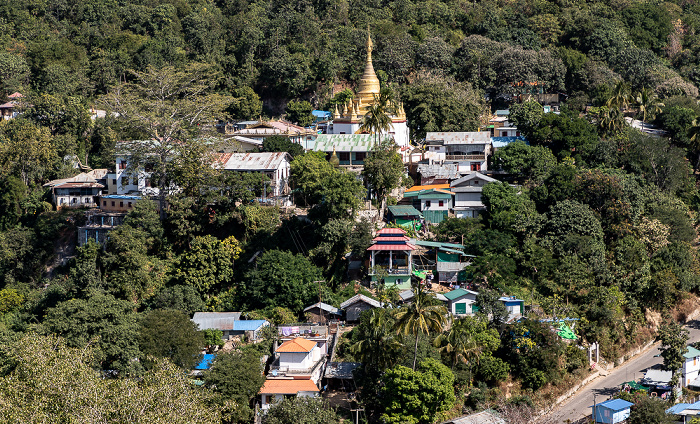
{"x":83,"y":190}
{"x":467,"y":192}
{"x":347,"y":119}
{"x":273,"y":164}
{"x":461,"y":302}
{"x":469,"y":149}
{"x":691,"y":367}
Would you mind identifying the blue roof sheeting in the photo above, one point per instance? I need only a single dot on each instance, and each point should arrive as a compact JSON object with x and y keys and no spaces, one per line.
{"x":120,"y":196}
{"x":248,"y":325}
{"x":321,"y":113}
{"x":205,"y":363}
{"x":498,"y":142}
{"x":677,"y":408}
{"x":614,"y":405}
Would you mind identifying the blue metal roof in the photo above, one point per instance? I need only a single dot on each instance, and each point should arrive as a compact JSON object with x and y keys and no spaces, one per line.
{"x":248,"y":325}
{"x":498,"y":142}
{"x":120,"y":196}
{"x":677,"y":408}
{"x":205,"y":363}
{"x":614,"y":405}
{"x":321,"y":113}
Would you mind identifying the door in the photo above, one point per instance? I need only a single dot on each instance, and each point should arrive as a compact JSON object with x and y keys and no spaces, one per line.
{"x":461,"y":308}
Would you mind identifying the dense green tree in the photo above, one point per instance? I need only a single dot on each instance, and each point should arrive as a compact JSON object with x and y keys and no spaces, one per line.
{"x":674,"y":339}
{"x":376,"y":344}
{"x":532,"y":163}
{"x":168,"y":333}
{"x":650,"y":410}
{"x":307,"y":174}
{"x":236,"y":376}
{"x":178,"y":297}
{"x":299,"y":112}
{"x":12,"y":195}
{"x":208,"y":263}
{"x":281,"y":279}
{"x":467,"y":340}
{"x":526,"y":116}
{"x":26,"y":151}
{"x":74,"y":391}
{"x":302,"y":410}
{"x":383,"y":170}
{"x":417,"y":396}
{"x":101,"y":320}
{"x":245,"y":104}
{"x":433,"y":103}
{"x":566,"y":134}
{"x":278,"y":143}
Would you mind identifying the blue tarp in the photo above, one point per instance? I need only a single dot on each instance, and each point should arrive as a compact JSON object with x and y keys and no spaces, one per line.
{"x":205,"y":363}
{"x":248,"y":325}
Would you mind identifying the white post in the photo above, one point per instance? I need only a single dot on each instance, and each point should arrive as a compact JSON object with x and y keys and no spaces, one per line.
{"x":374,"y":252}
{"x":391,"y":257}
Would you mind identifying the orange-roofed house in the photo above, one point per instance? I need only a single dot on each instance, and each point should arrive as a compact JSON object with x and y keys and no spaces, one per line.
{"x":298,"y":358}
{"x":276,"y":390}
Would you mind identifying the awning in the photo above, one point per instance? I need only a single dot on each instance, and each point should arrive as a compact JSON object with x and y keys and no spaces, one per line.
{"x":402,"y":247}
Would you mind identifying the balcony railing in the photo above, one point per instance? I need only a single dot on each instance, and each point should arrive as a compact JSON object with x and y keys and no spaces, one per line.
{"x":396,"y":270}
{"x":281,"y":371}
{"x":465,"y":157}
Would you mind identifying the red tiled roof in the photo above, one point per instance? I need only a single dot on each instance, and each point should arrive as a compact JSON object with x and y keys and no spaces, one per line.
{"x":391,"y":231}
{"x":287,"y":387}
{"x":297,"y":345}
{"x":403,"y":238}
{"x":406,"y":246}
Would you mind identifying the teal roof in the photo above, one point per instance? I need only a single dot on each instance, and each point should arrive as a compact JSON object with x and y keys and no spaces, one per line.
{"x":458,"y":252}
{"x":404,"y":211}
{"x":438,"y":244}
{"x":435,"y":195}
{"x":343,"y":142}
{"x":457,"y":293}
{"x":691,"y":352}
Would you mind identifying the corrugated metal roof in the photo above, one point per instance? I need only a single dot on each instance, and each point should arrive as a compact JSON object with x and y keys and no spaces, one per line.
{"x":120,"y":196}
{"x":390,"y":239}
{"x":402,"y":247}
{"x":428,"y":187}
{"x":324,"y":306}
{"x":472,"y":176}
{"x":360,"y":298}
{"x":614,"y":405}
{"x":267,"y":161}
{"x":451,"y":266}
{"x":287,"y":387}
{"x":438,"y":244}
{"x":446,"y":170}
{"x":249,"y":325}
{"x":205,"y":363}
{"x":691,"y":352}
{"x":404,"y":210}
{"x":344,"y":142}
{"x":341,"y":370}
{"x":457,"y":293}
{"x":215,"y":320}
{"x":484,"y":417}
{"x":391,"y":231}
{"x":476,"y":137}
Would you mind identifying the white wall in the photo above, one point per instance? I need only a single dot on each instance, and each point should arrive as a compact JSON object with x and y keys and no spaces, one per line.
{"x":435,"y":204}
{"x":691,"y":368}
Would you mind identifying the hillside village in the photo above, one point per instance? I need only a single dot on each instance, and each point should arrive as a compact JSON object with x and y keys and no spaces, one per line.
{"x":397,"y":212}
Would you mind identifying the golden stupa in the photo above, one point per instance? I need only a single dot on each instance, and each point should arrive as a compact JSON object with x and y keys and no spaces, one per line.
{"x":369,"y":83}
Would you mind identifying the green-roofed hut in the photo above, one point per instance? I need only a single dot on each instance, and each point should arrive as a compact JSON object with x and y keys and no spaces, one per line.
{"x":405,"y":216}
{"x":461,"y":302}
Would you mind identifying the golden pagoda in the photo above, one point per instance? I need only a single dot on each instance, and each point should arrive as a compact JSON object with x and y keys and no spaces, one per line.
{"x":369,"y":83}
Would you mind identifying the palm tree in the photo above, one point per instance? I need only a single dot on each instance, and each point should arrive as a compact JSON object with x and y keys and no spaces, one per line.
{"x":376,"y":118}
{"x":621,"y":97}
{"x":648,"y":103}
{"x":420,"y":317}
{"x":459,"y":343}
{"x":611,"y":121}
{"x":378,"y":346}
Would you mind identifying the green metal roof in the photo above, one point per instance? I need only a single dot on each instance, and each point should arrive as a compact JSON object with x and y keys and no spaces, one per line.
{"x":404,"y":211}
{"x":457,"y":293}
{"x":458,"y":252}
{"x":438,"y":244}
{"x":344,"y":142}
{"x":691,"y":352}
{"x":435,"y":195}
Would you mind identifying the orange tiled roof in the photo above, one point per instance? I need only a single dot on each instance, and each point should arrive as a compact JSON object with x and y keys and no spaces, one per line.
{"x":287,"y":387}
{"x":297,"y":345}
{"x":428,"y":187}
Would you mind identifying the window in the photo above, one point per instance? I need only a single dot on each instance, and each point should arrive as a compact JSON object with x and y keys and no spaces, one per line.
{"x":73,"y":200}
{"x":504,"y":133}
{"x":441,"y":203}
{"x":122,"y":164}
{"x":104,"y":203}
{"x":147,"y":182}
{"x":129,"y":204}
{"x":461,"y":308}
{"x":475,"y":167}
{"x":112,"y":203}
{"x":114,"y":181}
{"x":125,"y":181}
{"x":121,"y":204}
{"x":344,"y":156}
{"x":427,"y":203}
{"x":342,"y":132}
{"x":517,"y":133}
{"x":360,"y":156}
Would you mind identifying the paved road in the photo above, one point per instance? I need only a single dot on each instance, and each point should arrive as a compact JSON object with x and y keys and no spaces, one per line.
{"x":578,"y":406}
